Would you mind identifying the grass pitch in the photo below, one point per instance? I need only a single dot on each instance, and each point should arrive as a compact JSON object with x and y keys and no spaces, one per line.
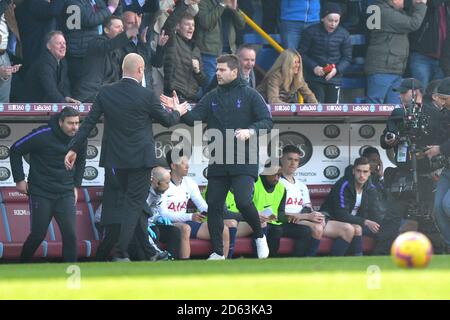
{"x":284,"y":278}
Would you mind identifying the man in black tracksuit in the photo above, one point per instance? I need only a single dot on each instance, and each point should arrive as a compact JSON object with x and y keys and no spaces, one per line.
{"x":355,"y":200}
{"x":234,"y":107}
{"x":50,"y":187}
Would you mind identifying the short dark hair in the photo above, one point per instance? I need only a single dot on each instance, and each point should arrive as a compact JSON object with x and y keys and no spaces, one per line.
{"x":231,"y":60}
{"x":291,"y":149}
{"x":108,"y":21}
{"x":370,"y":150}
{"x":360,"y":161}
{"x":169,"y":156}
{"x":68,"y":112}
{"x":51,"y":34}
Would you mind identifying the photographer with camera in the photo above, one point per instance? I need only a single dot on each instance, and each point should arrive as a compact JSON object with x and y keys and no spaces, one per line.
{"x":441,"y":210}
{"x":409,"y":130}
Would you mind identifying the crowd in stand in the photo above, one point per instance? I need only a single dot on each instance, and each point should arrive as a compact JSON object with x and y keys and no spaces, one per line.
{"x":79,"y":45}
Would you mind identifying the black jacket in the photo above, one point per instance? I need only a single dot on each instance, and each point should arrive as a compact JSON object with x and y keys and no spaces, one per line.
{"x":319,"y":48}
{"x":102,"y":65}
{"x":151,"y":58}
{"x":445,"y":57}
{"x":444,"y":132}
{"x":35,"y":19}
{"x":46,"y":81}
{"x":128,"y":110}
{"x":395,"y":124}
{"x":341,"y":200}
{"x":47,"y":147}
{"x":150,"y":6}
{"x":232,"y":106}
{"x":179,"y":74}
{"x":426,"y":39}
{"x":90,"y":19}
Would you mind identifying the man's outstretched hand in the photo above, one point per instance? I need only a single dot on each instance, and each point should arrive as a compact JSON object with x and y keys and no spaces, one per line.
{"x":174,"y":103}
{"x":69,"y":160}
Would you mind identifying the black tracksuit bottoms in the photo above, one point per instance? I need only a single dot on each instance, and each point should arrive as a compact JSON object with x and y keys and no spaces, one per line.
{"x":218,"y":188}
{"x":42,"y":210}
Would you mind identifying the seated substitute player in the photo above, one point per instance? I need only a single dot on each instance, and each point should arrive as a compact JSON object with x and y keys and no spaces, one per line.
{"x":174,"y":205}
{"x":299,"y":208}
{"x":353,"y":199}
{"x":269,"y":197}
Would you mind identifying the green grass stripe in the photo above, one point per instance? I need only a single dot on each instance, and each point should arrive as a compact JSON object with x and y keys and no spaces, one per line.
{"x":287,"y":278}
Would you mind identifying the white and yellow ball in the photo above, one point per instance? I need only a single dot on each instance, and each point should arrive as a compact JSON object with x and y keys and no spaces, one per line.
{"x":411,"y":250}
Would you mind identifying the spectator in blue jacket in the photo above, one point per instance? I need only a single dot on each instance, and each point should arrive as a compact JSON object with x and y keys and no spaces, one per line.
{"x":326,"y":52}
{"x":295,"y":16}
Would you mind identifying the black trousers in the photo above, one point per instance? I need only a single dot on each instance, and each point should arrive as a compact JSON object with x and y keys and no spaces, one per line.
{"x":325,"y":93}
{"x":218,"y":188}
{"x":41,"y":212}
{"x":139,"y":249}
{"x":110,"y":237}
{"x":300,"y":233}
{"x":135,"y":184}
{"x":171,"y":236}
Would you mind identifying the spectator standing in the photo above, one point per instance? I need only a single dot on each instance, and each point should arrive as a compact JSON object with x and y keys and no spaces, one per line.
{"x":36,"y":18}
{"x":387,"y":53}
{"x":211,"y":33}
{"x":427,"y":43}
{"x":9,"y":44}
{"x":327,"y":52}
{"x":79,"y":31}
{"x":102,"y":62}
{"x":296,"y":16}
{"x":140,"y":46}
{"x":183,"y":69}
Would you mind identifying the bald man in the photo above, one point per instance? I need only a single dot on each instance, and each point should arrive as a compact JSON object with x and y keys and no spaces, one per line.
{"x":128,"y":149}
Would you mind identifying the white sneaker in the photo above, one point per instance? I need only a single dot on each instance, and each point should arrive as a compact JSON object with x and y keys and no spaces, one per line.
{"x":261,"y":247}
{"x":215,"y":256}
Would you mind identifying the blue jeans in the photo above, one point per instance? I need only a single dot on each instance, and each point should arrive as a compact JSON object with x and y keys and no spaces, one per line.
{"x":209,"y":67}
{"x":290,"y":32}
{"x":441,"y":210}
{"x":380,"y":88}
{"x":424,"y":69}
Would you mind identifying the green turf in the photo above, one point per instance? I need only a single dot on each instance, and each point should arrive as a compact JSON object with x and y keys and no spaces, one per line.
{"x":289,"y":278}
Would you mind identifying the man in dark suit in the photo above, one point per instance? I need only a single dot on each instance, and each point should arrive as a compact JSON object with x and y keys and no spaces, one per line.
{"x":128,"y":149}
{"x":47,"y":79}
